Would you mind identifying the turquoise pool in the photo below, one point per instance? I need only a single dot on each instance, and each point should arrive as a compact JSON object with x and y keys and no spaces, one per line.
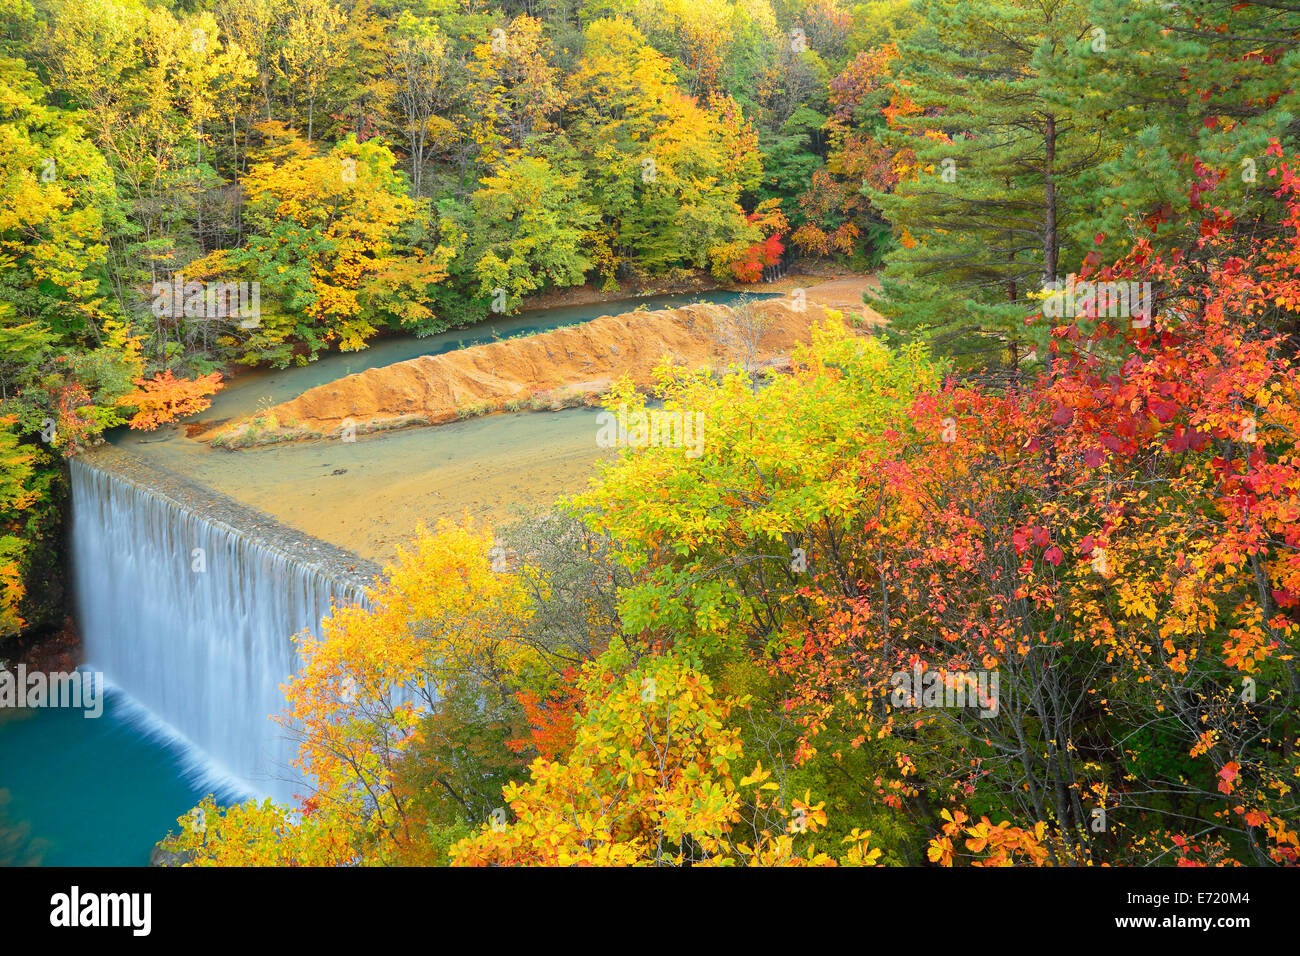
{"x":92,"y":792}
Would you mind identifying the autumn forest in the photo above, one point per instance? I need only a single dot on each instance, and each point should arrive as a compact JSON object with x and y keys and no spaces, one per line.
{"x":960,"y":527}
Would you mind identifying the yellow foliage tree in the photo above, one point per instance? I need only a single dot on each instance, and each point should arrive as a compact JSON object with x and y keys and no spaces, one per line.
{"x":650,"y":782}
{"x":443,"y":613}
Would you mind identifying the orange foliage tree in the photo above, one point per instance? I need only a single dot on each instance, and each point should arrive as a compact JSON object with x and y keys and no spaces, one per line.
{"x":865,"y":98}
{"x":165,"y":398}
{"x":1118,"y":545}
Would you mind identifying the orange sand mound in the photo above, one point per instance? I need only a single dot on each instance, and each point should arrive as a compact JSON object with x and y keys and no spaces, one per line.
{"x":552,"y":368}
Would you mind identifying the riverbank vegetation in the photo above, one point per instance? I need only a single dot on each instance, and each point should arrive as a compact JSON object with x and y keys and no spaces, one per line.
{"x":1015,"y":582}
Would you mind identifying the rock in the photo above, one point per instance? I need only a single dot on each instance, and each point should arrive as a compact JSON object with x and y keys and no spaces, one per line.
{"x":160,"y":857}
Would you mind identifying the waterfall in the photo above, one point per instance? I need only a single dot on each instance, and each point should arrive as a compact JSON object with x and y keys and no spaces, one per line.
{"x":774,"y":273}
{"x":187,"y":603}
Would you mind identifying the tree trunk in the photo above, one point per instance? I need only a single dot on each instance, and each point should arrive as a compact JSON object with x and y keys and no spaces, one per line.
{"x":1050,"y":246}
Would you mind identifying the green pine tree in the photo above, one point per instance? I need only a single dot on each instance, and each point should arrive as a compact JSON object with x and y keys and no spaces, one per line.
{"x":1191,"y":95}
{"x":987,"y":219}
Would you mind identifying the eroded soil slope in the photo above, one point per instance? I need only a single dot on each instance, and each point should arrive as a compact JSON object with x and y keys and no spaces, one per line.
{"x":551,"y":369}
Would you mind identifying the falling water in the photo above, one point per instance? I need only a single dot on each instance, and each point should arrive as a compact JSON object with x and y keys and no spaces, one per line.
{"x":188,"y":602}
